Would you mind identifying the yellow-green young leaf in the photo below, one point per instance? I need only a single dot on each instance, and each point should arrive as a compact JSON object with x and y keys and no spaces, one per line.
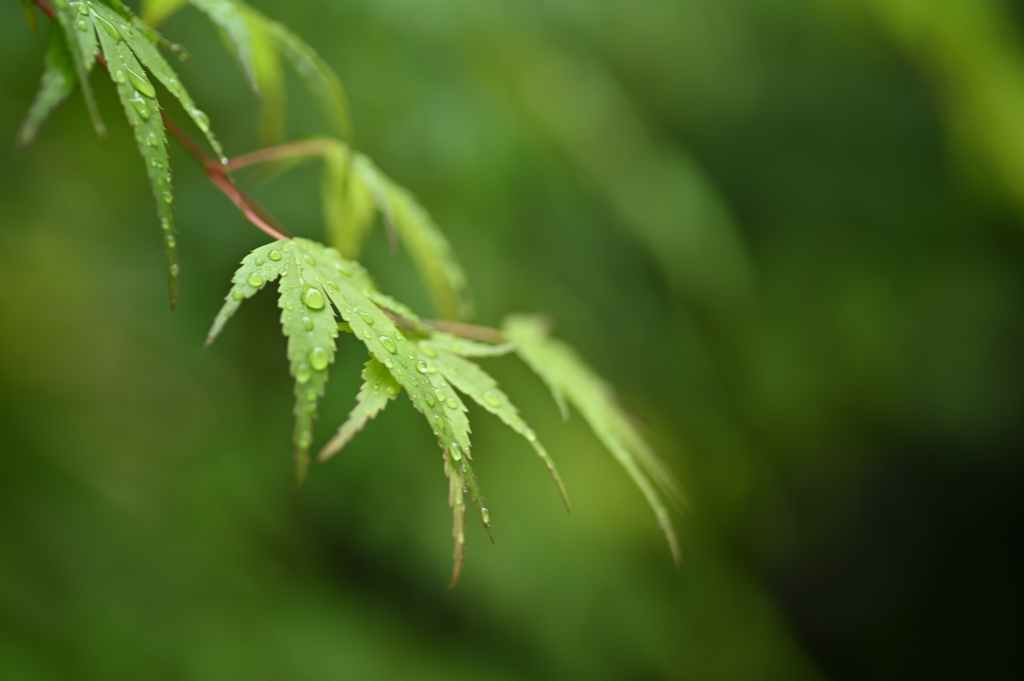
{"x":379,"y":386}
{"x":315,"y":281}
{"x":138,"y":97}
{"x":76,"y":21}
{"x":155,"y":11}
{"x":349,"y":210}
{"x":28,"y":8}
{"x":57,"y":83}
{"x":469,"y":348}
{"x":479,"y":385}
{"x":430,"y":251}
{"x":230,"y":17}
{"x":269,"y":72}
{"x":563,"y":371}
{"x":316,"y":74}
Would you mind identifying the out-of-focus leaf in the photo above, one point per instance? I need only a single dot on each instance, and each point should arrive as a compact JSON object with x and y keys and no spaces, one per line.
{"x":155,"y":11}
{"x":266,"y":64}
{"x":231,"y":18}
{"x":57,"y":83}
{"x":564,"y":372}
{"x":138,"y":97}
{"x":30,"y":14}
{"x":76,"y":21}
{"x":379,"y":386}
{"x":349,"y":209}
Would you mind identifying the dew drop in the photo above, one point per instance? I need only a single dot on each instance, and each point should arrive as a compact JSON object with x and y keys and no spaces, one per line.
{"x":311,"y":395}
{"x":255,"y":280}
{"x":492,"y":398}
{"x":442,"y":383}
{"x":313,"y":299}
{"x":414,"y":382}
{"x":82,"y":8}
{"x":365,"y":316}
{"x":287,"y":306}
{"x":308,"y":323}
{"x":398,"y":335}
{"x":318,"y":358}
{"x":389,"y":364}
{"x":345,"y":268}
{"x":452,"y":404}
{"x":120,"y":77}
{"x":259,"y":261}
{"x":302,"y":374}
{"x":456,"y":451}
{"x":82,"y":25}
{"x":391,"y":390}
{"x":309,"y":260}
{"x":152,"y":140}
{"x":440,"y":394}
{"x":168,"y":197}
{"x":432,"y":369}
{"x":107,"y":26}
{"x":140,"y":82}
{"x":422,"y":366}
{"x":430,"y":401}
{"x":175,"y":269}
{"x":305,"y":439}
{"x":139,"y":104}
{"x":284,"y":248}
{"x":237,"y":295}
{"x":171,"y":241}
{"x":530,"y":435}
{"x":173,"y":84}
{"x":427,"y":348}
{"x":165,"y":224}
{"x":388,"y":344}
{"x":201,"y":120}
{"x":486,"y":516}
{"x":366,"y":334}
{"x":298,"y":261}
{"x":275,"y":255}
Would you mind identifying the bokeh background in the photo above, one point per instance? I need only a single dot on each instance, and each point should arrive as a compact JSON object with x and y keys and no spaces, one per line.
{"x":791,"y":232}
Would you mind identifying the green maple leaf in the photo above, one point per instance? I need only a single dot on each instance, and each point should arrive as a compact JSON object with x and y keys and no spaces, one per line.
{"x":570,"y":378}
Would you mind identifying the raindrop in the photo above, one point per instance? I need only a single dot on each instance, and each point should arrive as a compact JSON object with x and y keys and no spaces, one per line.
{"x":120,"y":77}
{"x":422,"y":366}
{"x":456,"y":451}
{"x":452,"y":404}
{"x":365,"y":316}
{"x":486,"y":516}
{"x":366,"y":334}
{"x":139,"y":104}
{"x":492,"y":398}
{"x":388,"y":344}
{"x":313,"y":299}
{"x":237,"y":295}
{"x":140,"y":82}
{"x":391,"y":390}
{"x":345,"y":268}
{"x":414,"y":382}
{"x":308,"y":323}
{"x":332,"y":285}
{"x":311,"y":395}
{"x":259,"y":261}
{"x":107,"y":26}
{"x":165,"y":224}
{"x":432,"y":369}
{"x":430,"y":401}
{"x":201,"y":120}
{"x":399,"y":336}
{"x":287,"y":306}
{"x":82,"y":8}
{"x":171,"y":241}
{"x":275,"y":255}
{"x":309,"y":260}
{"x":427,"y":348}
{"x":318,"y":358}
{"x":173,"y":84}
{"x":167,"y":197}
{"x":305,"y":439}
{"x":152,"y":140}
{"x":284,"y":248}
{"x":175,"y":269}
{"x":442,"y":383}
{"x":530,"y":435}
{"x":255,"y":280}
{"x":302,"y":374}
{"x":389,"y":364}
{"x":82,"y":25}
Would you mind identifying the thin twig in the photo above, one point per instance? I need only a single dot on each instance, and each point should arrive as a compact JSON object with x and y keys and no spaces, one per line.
{"x":312,"y":147}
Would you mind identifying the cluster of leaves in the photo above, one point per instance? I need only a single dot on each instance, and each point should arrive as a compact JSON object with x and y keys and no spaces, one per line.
{"x":324,"y":291}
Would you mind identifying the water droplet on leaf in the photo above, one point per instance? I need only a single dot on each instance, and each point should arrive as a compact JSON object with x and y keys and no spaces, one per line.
{"x":365,"y":316}
{"x":422,"y":366}
{"x":427,"y":348}
{"x":255,"y":280}
{"x":492,"y":398}
{"x":237,"y":295}
{"x":140,"y":83}
{"x":313,"y":299}
{"x":452,"y":404}
{"x":275,"y":255}
{"x":318,"y":358}
{"x":302,"y":374}
{"x":308,"y":323}
{"x":388,"y":344}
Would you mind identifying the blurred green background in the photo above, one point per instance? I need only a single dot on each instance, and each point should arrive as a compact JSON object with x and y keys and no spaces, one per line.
{"x":790,"y":232}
